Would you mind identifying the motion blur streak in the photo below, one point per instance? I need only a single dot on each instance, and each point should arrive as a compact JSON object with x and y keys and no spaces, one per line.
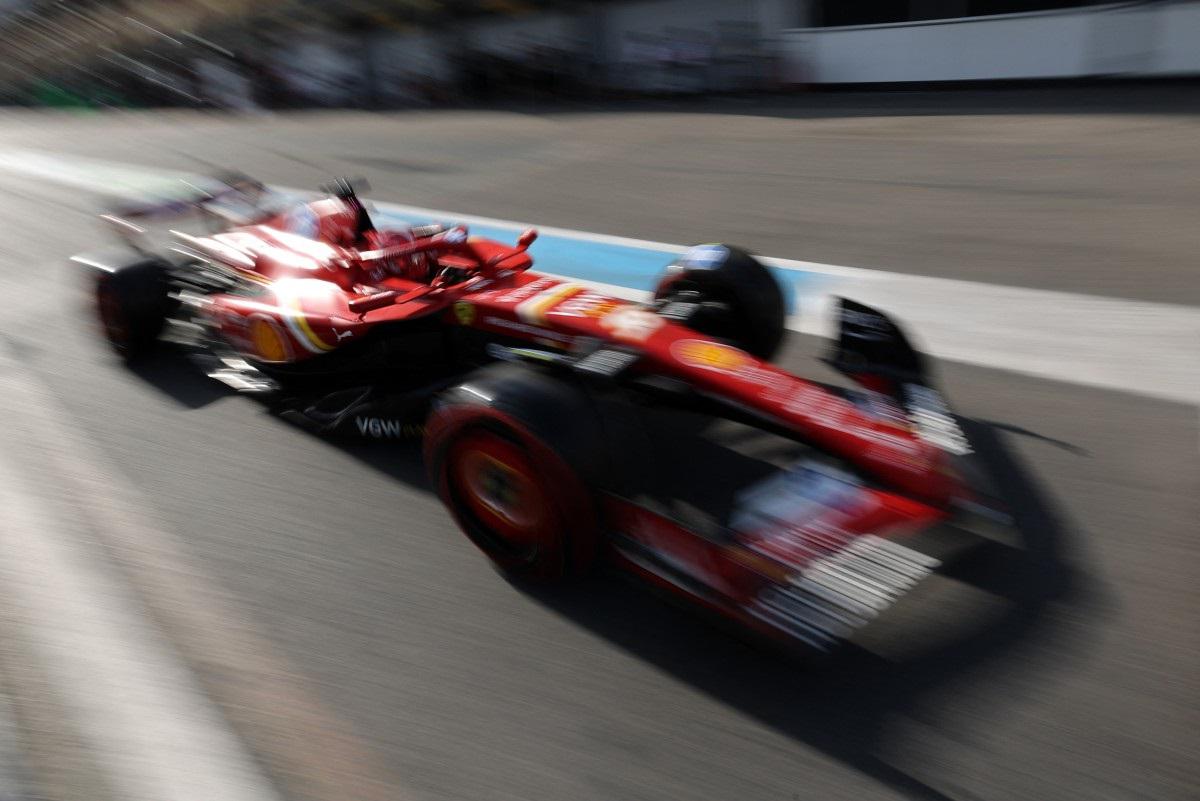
{"x":156,"y":734}
{"x":134,"y":703}
{"x":199,"y":599}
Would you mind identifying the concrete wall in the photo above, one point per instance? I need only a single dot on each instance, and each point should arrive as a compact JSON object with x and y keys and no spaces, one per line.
{"x":1119,"y":39}
{"x":769,"y":18}
{"x":321,"y":69}
{"x":736,"y":42}
{"x":657,"y":17}
{"x":512,"y":37}
{"x":406,"y":62}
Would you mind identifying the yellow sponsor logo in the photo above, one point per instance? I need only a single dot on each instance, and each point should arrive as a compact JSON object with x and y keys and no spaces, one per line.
{"x":602,"y":308}
{"x":301,"y":320}
{"x":464,"y":312}
{"x":534,"y":310}
{"x":710,"y":355}
{"x":296,"y":319}
{"x":267,"y":341}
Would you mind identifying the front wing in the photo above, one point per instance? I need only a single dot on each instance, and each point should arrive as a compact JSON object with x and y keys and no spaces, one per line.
{"x":810,"y":555}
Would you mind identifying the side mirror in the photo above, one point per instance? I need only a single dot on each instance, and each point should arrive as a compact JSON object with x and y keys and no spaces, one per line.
{"x":527,"y":238}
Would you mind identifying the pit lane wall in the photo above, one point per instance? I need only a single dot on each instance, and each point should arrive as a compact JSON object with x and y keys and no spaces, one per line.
{"x":1158,"y":39}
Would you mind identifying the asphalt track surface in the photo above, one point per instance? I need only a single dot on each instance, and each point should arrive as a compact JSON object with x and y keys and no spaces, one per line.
{"x":360,"y":648}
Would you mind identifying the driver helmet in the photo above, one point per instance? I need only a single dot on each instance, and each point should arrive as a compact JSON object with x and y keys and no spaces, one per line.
{"x":330,"y":220}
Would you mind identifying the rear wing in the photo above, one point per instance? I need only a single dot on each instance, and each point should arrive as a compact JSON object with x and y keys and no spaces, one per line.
{"x":199,"y":193}
{"x":130,"y":220}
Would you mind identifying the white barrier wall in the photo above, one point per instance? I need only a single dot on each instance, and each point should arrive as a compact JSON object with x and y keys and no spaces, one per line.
{"x":1120,"y":39}
{"x":1179,"y":43}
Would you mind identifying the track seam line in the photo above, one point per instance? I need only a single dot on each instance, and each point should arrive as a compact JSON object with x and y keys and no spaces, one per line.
{"x":298,"y":739}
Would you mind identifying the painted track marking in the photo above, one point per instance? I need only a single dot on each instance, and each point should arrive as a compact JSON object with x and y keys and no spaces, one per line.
{"x":130,"y":696}
{"x":1144,"y":348}
{"x":140,"y":707}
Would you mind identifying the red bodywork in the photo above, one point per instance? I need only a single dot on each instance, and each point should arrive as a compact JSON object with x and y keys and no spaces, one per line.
{"x":315,"y":297}
{"x":813,"y":578}
{"x":312,"y":302}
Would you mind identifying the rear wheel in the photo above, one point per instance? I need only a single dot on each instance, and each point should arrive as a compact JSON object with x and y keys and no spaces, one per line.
{"x":132,"y":303}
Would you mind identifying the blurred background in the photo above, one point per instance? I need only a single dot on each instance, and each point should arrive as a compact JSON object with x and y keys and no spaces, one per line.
{"x":198,"y":601}
{"x":391,"y":54}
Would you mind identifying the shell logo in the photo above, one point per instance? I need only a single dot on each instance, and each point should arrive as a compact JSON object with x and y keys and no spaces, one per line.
{"x":710,"y":355}
{"x":267,"y":340}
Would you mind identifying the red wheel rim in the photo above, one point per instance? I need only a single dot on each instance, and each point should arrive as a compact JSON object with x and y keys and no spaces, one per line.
{"x":112,"y":317}
{"x":499,"y":486}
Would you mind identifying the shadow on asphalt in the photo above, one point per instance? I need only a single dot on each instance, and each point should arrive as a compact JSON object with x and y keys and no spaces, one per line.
{"x":845,"y":705}
{"x":169,"y":372}
{"x":1024,"y":432}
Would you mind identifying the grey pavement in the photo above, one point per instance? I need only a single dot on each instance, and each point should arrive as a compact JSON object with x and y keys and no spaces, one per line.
{"x":1062,"y":668}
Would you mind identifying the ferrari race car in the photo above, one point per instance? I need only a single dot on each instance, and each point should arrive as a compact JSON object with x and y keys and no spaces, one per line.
{"x":562,"y":426}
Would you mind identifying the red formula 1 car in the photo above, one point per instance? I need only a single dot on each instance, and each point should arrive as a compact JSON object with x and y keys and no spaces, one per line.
{"x":562,"y":425}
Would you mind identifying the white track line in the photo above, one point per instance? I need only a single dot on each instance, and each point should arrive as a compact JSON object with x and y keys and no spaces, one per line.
{"x":1144,"y":348}
{"x":128,"y":694}
{"x":306,"y":742}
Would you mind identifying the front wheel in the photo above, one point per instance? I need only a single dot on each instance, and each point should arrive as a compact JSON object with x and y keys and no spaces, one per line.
{"x":729,"y":295}
{"x":518,"y":488}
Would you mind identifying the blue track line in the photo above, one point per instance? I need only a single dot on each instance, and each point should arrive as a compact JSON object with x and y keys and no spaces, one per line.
{"x":630,"y":266}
